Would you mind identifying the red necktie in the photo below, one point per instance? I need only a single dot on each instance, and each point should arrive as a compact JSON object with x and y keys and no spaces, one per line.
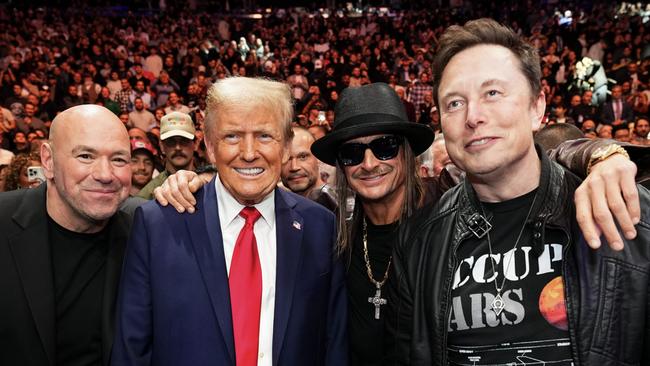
{"x":245,"y":281}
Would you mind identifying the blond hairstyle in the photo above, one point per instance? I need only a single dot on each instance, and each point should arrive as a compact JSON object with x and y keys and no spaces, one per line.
{"x":247,"y":94}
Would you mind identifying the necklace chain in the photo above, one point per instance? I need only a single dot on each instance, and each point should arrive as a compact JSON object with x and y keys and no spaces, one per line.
{"x":378,"y":284}
{"x":498,"y":288}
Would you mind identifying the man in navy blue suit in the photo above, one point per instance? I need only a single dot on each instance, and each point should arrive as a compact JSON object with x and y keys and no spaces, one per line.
{"x":251,"y":278}
{"x":617,"y":111}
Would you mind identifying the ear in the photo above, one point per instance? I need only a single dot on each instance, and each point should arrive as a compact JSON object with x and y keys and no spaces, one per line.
{"x":538,"y":109}
{"x":209,"y":149}
{"x":424,"y":171}
{"x":285,"y":154}
{"x":47,"y":160}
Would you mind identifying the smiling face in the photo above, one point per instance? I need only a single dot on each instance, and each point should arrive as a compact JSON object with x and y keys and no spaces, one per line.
{"x":487,"y":112}
{"x":87,"y":167}
{"x":141,"y":168}
{"x":248,"y":148}
{"x":376,"y":180}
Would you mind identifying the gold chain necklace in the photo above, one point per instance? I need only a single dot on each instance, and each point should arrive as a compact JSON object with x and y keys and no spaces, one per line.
{"x":376,"y":300}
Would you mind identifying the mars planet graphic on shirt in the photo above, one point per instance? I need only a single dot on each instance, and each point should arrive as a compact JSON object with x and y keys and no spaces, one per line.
{"x":551,"y":304}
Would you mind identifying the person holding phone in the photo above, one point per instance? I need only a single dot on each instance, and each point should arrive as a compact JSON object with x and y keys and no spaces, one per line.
{"x":18,"y":177}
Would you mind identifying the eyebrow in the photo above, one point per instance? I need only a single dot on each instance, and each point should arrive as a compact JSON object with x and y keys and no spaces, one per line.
{"x":80,"y":148}
{"x":484,"y":84}
{"x":84,"y":148}
{"x":492,"y":82}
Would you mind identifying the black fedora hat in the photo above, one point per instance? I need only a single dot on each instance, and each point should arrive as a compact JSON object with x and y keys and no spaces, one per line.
{"x":369,"y":110}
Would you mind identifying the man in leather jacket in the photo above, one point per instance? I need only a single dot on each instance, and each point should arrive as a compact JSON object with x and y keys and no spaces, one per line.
{"x":498,"y":271}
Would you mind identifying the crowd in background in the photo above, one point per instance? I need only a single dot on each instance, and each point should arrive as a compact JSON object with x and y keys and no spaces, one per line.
{"x":145,"y":66}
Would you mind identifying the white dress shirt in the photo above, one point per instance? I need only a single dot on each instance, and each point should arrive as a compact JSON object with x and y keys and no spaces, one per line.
{"x":264,"y":229}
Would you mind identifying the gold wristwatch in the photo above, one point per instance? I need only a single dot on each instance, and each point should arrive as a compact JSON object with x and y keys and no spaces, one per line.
{"x":605,"y":152}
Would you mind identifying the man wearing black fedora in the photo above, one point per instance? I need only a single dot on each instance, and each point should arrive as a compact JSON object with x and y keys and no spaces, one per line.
{"x":373,"y":146}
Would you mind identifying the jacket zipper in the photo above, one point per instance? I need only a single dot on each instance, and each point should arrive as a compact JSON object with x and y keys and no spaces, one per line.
{"x":450,"y":277}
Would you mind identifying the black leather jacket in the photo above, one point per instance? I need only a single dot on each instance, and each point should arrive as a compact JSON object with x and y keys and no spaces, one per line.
{"x":607,"y":293}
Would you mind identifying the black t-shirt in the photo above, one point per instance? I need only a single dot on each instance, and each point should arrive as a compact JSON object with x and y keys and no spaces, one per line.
{"x":79,"y":263}
{"x":366,"y":332}
{"x":532,"y":328}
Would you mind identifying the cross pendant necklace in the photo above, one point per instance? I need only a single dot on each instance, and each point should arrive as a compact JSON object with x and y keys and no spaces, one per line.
{"x":377,"y":301}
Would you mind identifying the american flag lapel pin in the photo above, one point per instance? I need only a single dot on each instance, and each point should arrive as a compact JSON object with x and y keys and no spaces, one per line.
{"x":296,"y":224}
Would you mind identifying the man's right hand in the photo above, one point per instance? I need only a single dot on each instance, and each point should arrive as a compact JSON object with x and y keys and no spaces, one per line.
{"x":178,"y":189}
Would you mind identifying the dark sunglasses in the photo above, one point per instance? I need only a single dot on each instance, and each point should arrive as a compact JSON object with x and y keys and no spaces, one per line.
{"x":384,"y":148}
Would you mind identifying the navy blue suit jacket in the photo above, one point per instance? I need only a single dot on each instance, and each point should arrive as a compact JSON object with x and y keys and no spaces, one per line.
{"x":174,"y":301}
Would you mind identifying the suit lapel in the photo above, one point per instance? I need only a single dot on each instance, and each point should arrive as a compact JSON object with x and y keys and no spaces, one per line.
{"x":205,"y":232}
{"x":289,"y":226}
{"x":119,"y":230}
{"x":32,"y":255}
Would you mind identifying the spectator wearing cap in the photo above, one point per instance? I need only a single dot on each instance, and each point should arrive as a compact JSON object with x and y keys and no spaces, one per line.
{"x":142,"y":165}
{"x":177,"y":145}
{"x":140,"y":117}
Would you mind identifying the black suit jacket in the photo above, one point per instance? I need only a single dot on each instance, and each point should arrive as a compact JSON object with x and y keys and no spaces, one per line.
{"x":607,"y":113}
{"x":27,"y":304}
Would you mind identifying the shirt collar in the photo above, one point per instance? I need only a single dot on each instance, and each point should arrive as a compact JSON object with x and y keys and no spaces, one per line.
{"x":232,"y":208}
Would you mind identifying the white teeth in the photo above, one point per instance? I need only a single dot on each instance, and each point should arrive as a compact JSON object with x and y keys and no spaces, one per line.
{"x":249,"y":171}
{"x":479,"y":142}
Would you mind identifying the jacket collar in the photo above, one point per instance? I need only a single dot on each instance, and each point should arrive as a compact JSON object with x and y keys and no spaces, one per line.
{"x":32,"y":254}
{"x":207,"y":242}
{"x":31,"y":249}
{"x":549,"y":191}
